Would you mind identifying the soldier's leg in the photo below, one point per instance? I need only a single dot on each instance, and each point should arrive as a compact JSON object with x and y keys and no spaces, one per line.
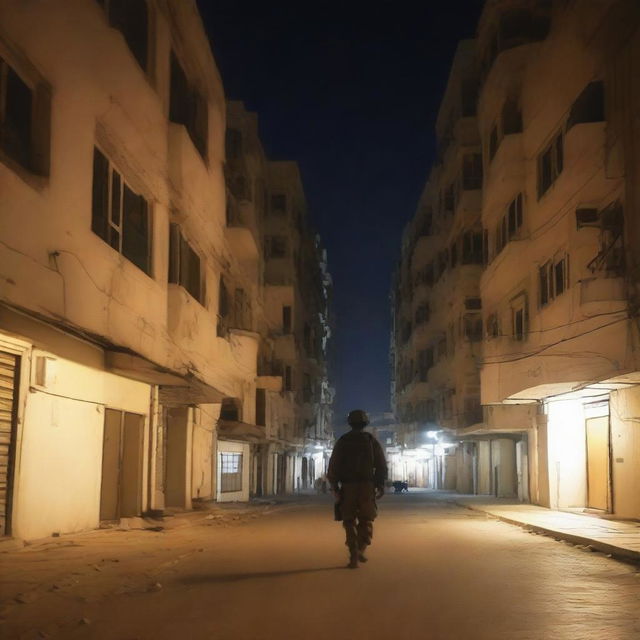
{"x":367,"y":513}
{"x":349,"y":507}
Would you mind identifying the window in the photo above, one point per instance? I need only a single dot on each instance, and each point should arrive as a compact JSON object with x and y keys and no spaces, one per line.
{"x":441,"y":348}
{"x":472,"y":171}
{"x":230,"y":409}
{"x":472,"y":247}
{"x":288,"y":379}
{"x":550,"y":164}
{"x":286,"y":319}
{"x":493,"y":141}
{"x":472,"y":326}
{"x":493,"y":326}
{"x":230,"y":472}
{"x":241,"y":310}
{"x":188,"y":107}
{"x":473,"y":303}
{"x":279,"y":203}
{"x":184,"y":264}
{"x":422,"y":314}
{"x":307,"y":338}
{"x":277,"y":246}
{"x":519,"y":317}
{"x":261,"y":407}
{"x":589,"y":105}
{"x":453,"y":254}
{"x":425,"y":362}
{"x":119,"y":215}
{"x":24,"y":121}
{"x":448,"y":201}
{"x":511,"y":117}
{"x":509,"y":224}
{"x":553,"y":279}
{"x":131,"y":18}
{"x":223,"y":309}
{"x":233,"y":144}
{"x":306,"y":388}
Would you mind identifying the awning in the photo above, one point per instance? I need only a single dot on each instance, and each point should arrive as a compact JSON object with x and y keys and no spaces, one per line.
{"x":175,"y":390}
{"x":236,"y":430}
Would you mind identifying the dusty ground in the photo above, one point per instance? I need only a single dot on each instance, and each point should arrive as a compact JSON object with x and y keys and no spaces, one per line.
{"x":436,"y":571}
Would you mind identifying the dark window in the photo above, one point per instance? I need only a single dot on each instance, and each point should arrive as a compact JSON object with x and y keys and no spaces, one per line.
{"x":131,"y":18}
{"x":261,"y":407}
{"x":188,"y":107}
{"x":184,"y":264}
{"x":230,"y":409}
{"x":307,"y":338}
{"x":493,"y":141}
{"x":230,"y":472}
{"x":448,"y":199}
{"x":472,"y":171}
{"x":472,"y":247}
{"x":589,"y":105}
{"x":233,"y":144}
{"x":472,"y":326}
{"x":425,"y":362}
{"x":119,"y":215}
{"x":224,"y":308}
{"x":550,"y":164}
{"x":278,"y":247}
{"x":279,"y":203}
{"x":543,"y":283}
{"x":288,"y":379}
{"x":469,"y":97}
{"x":559,"y":277}
{"x":473,"y":303}
{"x":306,"y":388}
{"x":453,"y":254}
{"x":422,"y":314}
{"x":514,"y":215}
{"x":518,"y":324}
{"x":286,"y":319}
{"x":511,"y":117}
{"x":16,"y":116}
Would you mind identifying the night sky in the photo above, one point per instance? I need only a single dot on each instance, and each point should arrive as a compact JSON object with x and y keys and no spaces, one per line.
{"x":352,"y":95}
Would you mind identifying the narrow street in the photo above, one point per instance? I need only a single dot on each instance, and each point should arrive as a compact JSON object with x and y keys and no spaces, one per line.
{"x":436,"y":571}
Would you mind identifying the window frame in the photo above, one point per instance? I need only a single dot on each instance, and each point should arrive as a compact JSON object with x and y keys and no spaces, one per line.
{"x":110,"y":228}
{"x":178,"y":244}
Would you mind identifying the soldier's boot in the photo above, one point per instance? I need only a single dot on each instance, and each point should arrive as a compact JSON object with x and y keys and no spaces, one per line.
{"x":361,"y":556}
{"x":351,"y":542}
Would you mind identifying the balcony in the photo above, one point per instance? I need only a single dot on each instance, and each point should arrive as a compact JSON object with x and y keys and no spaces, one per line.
{"x":506,"y":171}
{"x":602,"y":295}
{"x":241,"y":231}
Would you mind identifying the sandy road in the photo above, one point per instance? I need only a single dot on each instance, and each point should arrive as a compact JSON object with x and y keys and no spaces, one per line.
{"x":436,"y":571}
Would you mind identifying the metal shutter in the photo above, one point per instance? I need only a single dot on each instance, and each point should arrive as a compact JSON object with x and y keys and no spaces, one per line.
{"x":7,"y":405}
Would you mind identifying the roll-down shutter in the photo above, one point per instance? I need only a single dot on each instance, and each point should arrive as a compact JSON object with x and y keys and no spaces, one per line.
{"x":7,"y":434}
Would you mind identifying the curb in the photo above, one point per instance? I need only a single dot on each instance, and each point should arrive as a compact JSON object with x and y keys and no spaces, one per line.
{"x":597,"y":545}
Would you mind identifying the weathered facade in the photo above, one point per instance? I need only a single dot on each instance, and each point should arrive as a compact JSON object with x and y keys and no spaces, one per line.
{"x":133,"y":308}
{"x":556,"y":349}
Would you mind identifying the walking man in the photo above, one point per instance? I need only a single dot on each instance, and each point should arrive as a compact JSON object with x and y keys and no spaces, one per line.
{"x":357,"y":471}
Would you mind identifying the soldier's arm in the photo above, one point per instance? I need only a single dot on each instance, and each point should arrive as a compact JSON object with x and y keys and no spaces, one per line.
{"x":380,"y":464}
{"x":333,"y":470}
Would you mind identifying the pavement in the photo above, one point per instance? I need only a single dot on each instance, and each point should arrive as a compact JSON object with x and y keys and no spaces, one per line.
{"x":620,"y":539}
{"x":436,"y":571}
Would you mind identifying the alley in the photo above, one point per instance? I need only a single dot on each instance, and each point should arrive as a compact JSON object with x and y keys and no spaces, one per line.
{"x":436,"y":571}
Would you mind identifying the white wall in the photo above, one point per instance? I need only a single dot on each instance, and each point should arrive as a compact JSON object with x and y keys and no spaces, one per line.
{"x":59,"y":462}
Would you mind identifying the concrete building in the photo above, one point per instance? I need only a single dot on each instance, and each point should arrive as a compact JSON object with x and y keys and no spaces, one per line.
{"x":558,"y":358}
{"x":131,"y":289}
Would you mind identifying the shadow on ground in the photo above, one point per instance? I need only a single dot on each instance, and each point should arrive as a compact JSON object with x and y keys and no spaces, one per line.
{"x":239,"y":577}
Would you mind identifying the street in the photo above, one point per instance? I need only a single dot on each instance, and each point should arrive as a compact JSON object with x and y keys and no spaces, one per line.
{"x":436,"y":571}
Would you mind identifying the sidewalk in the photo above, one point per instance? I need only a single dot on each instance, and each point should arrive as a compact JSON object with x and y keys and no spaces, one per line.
{"x":615,"y":537}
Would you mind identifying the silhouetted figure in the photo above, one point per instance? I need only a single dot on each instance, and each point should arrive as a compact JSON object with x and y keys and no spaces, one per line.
{"x":357,"y":472}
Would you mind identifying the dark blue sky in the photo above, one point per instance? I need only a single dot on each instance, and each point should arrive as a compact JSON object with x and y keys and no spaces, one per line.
{"x":351,"y":93}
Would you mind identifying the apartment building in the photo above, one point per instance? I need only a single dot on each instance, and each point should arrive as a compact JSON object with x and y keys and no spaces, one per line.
{"x":557,"y":356}
{"x":131,"y":288}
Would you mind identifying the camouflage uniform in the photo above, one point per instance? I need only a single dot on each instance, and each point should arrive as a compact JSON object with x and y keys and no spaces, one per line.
{"x":358,"y":467}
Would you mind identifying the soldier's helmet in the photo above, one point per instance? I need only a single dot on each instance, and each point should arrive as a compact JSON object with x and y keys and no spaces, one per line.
{"x":358,"y":418}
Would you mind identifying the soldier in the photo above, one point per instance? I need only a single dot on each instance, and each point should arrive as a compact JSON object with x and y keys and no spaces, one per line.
{"x":357,"y":471}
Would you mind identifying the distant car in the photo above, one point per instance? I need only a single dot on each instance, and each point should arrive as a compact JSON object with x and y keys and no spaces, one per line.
{"x":399,"y":486}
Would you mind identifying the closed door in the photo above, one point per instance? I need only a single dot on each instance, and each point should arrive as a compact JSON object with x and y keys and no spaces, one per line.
{"x":598,"y":463}
{"x":122,"y":453}
{"x":8,"y":394}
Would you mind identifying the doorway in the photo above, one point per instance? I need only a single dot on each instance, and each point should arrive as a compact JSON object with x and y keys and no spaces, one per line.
{"x":122,"y":454}
{"x":597,"y":430}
